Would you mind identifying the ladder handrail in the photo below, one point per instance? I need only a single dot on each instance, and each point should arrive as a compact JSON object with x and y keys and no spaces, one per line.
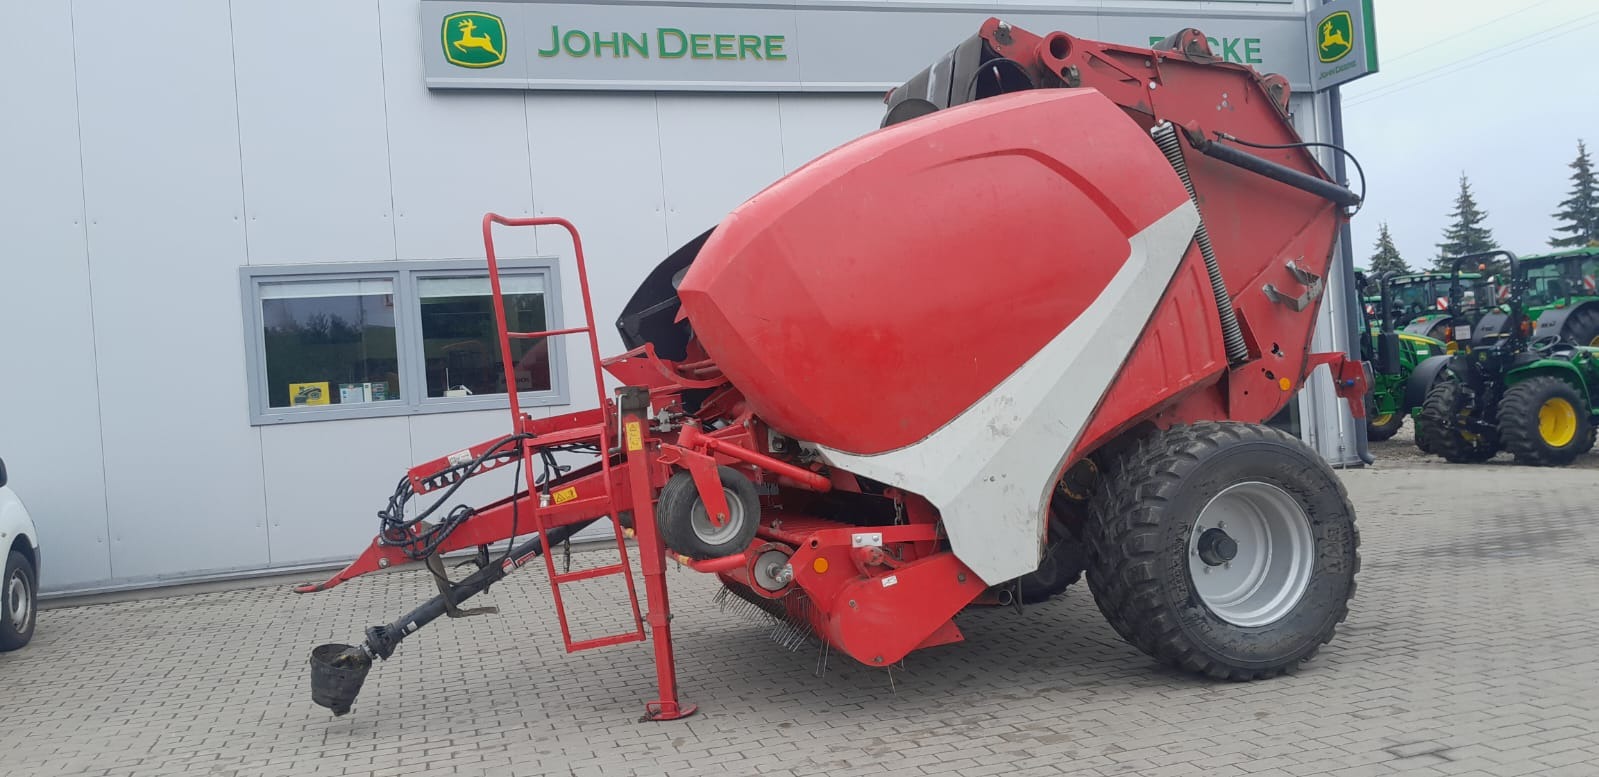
{"x":503,"y":328}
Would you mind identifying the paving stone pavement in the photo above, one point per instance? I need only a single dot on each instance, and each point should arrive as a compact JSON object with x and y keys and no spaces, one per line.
{"x":1472,"y":649}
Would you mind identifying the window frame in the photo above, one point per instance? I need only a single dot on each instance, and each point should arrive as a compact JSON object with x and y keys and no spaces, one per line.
{"x":404,"y":276}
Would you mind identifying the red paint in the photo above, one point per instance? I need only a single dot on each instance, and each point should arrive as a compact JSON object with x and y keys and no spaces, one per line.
{"x":872,"y":295}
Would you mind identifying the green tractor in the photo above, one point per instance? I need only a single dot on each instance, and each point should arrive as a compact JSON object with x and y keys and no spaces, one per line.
{"x":1563,"y":294}
{"x":1419,"y":302}
{"x":1505,"y":387}
{"x":1393,"y":356}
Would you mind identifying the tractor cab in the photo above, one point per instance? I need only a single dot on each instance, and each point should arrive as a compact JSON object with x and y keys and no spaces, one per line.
{"x":1563,"y":294}
{"x":1420,"y":302}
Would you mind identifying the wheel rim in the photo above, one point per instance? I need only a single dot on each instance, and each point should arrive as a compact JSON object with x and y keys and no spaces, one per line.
{"x":1557,"y":422}
{"x":1594,"y":343}
{"x":1250,"y":554}
{"x":19,"y":602}
{"x":708,"y":532}
{"x":1382,"y":420}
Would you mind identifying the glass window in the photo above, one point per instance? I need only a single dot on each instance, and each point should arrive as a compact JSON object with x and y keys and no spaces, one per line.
{"x":329,"y":342}
{"x":461,"y":345}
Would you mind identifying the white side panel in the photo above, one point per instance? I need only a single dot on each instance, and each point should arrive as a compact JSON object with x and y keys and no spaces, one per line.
{"x":163,"y":192}
{"x":326,"y":482}
{"x":596,"y":161}
{"x":990,"y":469}
{"x":454,"y":157}
{"x":316,"y":167}
{"x":49,"y":401}
{"x":716,"y":152}
{"x":814,"y":124}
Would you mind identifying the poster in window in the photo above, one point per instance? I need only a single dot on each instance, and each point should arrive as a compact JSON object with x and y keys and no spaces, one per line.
{"x":309,"y":394}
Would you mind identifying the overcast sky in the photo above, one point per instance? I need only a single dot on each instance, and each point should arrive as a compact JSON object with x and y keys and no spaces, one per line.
{"x":1500,"y":90}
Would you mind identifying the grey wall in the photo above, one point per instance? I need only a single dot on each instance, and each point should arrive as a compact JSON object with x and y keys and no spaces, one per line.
{"x":150,"y":149}
{"x":138,"y":175}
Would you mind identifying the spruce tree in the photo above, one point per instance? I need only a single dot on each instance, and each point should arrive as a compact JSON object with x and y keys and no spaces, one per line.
{"x":1466,"y":233}
{"x":1386,"y":257}
{"x":1579,"y":214}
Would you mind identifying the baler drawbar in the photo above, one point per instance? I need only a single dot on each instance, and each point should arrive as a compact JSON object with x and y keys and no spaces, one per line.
{"x":1029,"y":329}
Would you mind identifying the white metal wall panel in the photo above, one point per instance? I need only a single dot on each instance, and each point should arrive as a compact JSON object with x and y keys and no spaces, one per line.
{"x":326,"y":482}
{"x":453,"y":157}
{"x":596,"y":161}
{"x":161,"y":179}
{"x":311,"y":131}
{"x":49,"y":401}
{"x":814,"y":124}
{"x":716,"y":151}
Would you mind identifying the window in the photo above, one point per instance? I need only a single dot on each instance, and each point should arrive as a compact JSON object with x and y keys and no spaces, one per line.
{"x":462,"y":344}
{"x":330,"y":342}
{"x":395,"y":338}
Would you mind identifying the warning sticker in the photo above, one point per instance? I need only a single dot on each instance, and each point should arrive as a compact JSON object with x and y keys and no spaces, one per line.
{"x":890,"y":580}
{"x":565,"y":495}
{"x":635,"y":436}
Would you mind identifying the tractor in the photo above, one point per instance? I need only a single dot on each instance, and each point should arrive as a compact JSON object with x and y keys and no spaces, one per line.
{"x":1505,"y":386}
{"x":1418,"y":303}
{"x":965,"y":360}
{"x":1563,"y":294}
{"x":1393,"y":356}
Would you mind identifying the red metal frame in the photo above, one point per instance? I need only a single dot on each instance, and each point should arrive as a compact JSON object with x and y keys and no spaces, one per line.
{"x":600,"y":433}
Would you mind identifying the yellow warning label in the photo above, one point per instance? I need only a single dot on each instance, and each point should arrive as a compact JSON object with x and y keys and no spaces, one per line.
{"x":565,"y":495}
{"x":635,"y":436}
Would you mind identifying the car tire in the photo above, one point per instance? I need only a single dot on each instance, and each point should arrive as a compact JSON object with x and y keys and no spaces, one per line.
{"x":19,"y":602}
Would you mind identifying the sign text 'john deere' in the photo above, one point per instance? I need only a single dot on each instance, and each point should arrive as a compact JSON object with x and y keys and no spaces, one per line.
{"x":822,"y":47}
{"x":663,"y":43}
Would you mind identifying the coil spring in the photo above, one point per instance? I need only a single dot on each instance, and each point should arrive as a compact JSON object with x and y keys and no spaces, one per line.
{"x":1232,"y":336}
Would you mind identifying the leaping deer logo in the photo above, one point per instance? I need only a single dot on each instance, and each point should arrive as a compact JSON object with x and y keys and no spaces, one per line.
{"x":1332,"y":37}
{"x":470,"y":41}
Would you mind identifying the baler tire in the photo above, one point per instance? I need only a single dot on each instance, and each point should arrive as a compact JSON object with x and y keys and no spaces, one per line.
{"x":675,"y":515}
{"x":1520,"y":417}
{"x":1438,"y":432}
{"x":1061,"y":567}
{"x":1146,"y":513}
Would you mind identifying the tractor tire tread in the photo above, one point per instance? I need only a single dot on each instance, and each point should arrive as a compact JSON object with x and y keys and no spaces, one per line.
{"x":1518,"y":422}
{"x":1436,"y":430}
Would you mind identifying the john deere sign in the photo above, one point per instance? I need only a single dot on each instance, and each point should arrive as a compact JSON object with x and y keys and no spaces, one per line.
{"x":1343,"y":42}
{"x":801,"y":45}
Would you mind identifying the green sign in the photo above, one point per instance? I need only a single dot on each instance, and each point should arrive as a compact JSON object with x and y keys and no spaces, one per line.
{"x":1334,"y":37}
{"x":663,"y":43}
{"x":1342,"y":36}
{"x":473,"y":39}
{"x":1244,"y":51}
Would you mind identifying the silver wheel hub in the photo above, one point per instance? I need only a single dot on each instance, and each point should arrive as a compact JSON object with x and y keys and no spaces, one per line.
{"x":19,"y":601}
{"x":709,"y":532}
{"x":1250,"y":554}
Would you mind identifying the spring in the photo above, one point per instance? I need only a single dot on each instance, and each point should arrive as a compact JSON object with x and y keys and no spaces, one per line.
{"x":1232,"y":336}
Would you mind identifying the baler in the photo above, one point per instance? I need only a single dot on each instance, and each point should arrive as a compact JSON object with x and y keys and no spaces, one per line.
{"x":1029,"y":328}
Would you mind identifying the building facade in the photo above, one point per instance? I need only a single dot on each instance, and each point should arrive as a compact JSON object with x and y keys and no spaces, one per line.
{"x":243,"y":283}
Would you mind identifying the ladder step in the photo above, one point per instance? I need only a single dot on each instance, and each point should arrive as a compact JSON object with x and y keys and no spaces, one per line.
{"x":598,"y":642}
{"x":588,"y":574}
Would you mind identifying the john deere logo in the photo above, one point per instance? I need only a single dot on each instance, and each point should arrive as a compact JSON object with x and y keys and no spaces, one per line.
{"x":474,"y":39}
{"x":1334,"y":41}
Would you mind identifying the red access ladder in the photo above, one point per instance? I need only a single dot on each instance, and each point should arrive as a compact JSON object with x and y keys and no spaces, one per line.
{"x":601,"y":433}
